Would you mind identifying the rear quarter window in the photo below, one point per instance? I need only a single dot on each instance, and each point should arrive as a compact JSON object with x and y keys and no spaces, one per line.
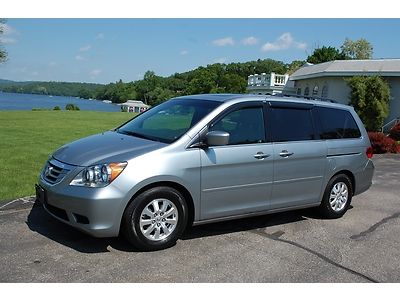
{"x":337,"y":124}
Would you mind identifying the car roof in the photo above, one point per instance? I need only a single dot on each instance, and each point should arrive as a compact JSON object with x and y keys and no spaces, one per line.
{"x":280,"y":98}
{"x":216,"y":97}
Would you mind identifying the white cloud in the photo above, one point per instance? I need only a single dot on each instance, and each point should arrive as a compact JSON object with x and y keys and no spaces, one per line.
{"x":250,"y":41}
{"x":285,"y":41}
{"x":8,"y":40}
{"x":183,"y":52}
{"x":95,"y":73}
{"x":79,"y":57}
{"x":100,"y":36}
{"x":221,"y":60}
{"x":9,"y":33}
{"x":85,"y":48}
{"x":52,"y":64}
{"x":228,"y":41}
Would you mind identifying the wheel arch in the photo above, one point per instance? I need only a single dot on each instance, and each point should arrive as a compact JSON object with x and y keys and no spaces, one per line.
{"x":179,"y":187}
{"x":351,"y":177}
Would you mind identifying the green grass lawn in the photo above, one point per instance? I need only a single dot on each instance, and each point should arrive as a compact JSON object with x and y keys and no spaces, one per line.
{"x":27,"y":138}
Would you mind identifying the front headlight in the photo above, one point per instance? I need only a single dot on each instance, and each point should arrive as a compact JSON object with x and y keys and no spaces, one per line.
{"x":98,"y":175}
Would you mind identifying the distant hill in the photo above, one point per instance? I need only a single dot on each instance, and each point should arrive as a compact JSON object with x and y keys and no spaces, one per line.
{"x":4,"y":81}
{"x":74,"y":89}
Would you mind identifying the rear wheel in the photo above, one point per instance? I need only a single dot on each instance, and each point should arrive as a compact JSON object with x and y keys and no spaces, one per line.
{"x":337,"y":197}
{"x":155,"y":219}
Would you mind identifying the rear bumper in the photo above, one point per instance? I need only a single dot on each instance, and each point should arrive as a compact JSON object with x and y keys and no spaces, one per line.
{"x":95,"y":211}
{"x":363,"y":179}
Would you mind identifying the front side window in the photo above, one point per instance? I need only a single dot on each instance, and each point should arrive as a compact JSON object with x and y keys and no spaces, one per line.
{"x":291,"y":124}
{"x":168,"y":121}
{"x":245,"y":126}
{"x":337,"y":124}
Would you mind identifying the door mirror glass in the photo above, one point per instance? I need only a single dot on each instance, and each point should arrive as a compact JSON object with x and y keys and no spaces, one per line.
{"x":217,"y":138}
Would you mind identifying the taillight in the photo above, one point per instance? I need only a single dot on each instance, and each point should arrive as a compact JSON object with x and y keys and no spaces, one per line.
{"x":370,"y":152}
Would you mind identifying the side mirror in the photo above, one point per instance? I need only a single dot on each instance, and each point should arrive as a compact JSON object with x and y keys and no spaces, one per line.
{"x":217,"y":138}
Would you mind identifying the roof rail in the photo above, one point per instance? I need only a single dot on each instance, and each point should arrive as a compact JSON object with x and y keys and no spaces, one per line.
{"x":306,"y":97}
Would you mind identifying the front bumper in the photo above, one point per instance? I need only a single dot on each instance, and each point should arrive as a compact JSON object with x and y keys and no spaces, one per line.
{"x":96,"y":211}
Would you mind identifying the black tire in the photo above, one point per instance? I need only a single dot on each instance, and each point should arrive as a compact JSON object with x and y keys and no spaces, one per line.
{"x":326,"y":208}
{"x":131,"y":227}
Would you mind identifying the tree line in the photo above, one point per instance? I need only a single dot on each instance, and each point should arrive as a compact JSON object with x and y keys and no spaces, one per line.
{"x":73,"y":89}
{"x":153,"y":89}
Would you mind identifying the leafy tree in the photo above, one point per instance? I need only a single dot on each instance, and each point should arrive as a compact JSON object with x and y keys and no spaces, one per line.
{"x":294,"y":66}
{"x":359,"y":49}
{"x":233,"y":83}
{"x":324,"y":54}
{"x":85,"y":93}
{"x":159,"y":95}
{"x":203,"y":82}
{"x":370,"y":98}
{"x":3,"y":53}
{"x":71,"y":106}
{"x":144,"y":87}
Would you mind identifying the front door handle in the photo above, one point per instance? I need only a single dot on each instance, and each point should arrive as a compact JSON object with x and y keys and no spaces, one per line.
{"x":285,"y":153}
{"x":261,"y":155}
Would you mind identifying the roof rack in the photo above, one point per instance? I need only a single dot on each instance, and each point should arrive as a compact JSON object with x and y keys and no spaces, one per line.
{"x":306,"y":97}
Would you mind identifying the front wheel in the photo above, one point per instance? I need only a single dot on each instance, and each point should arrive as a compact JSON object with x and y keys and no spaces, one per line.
{"x":155,"y":219}
{"x":337,"y":197}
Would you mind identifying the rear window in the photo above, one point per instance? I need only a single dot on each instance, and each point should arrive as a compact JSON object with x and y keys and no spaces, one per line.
{"x":291,"y":124}
{"x":337,"y":124}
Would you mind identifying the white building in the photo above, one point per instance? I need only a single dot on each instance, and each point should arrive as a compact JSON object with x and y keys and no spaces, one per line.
{"x":328,"y":81}
{"x":134,"y":106}
{"x":269,"y":84}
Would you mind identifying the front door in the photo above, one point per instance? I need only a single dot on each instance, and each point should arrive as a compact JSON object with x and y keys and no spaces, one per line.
{"x":237,"y":178}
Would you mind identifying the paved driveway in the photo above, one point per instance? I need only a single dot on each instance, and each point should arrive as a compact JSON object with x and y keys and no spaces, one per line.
{"x":363,"y":246}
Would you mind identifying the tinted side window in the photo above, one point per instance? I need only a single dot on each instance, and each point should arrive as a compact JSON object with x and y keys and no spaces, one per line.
{"x":291,"y":124}
{"x":337,"y":124}
{"x":245,"y":126}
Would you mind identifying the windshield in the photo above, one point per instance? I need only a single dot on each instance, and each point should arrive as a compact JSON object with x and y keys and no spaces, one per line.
{"x":168,"y":121}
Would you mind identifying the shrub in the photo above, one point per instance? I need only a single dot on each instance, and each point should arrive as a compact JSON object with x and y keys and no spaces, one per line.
{"x":382,"y":144}
{"x":40,"y":109}
{"x":56,"y":108}
{"x":370,"y":97}
{"x":71,"y":106}
{"x":395,"y":132}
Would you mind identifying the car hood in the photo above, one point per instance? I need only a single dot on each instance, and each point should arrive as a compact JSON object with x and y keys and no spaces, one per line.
{"x":105,"y":147}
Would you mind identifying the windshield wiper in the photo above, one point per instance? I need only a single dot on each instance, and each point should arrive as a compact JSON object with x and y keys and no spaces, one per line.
{"x":139,"y":135}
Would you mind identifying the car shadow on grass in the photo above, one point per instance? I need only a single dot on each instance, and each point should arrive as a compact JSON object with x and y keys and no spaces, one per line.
{"x":41,"y":222}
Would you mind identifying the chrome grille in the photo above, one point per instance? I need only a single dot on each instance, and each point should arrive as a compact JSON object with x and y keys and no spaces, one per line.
{"x":54,"y":171}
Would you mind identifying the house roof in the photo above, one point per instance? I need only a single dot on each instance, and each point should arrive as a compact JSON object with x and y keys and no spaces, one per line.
{"x":134,"y":103}
{"x":381,"y":67}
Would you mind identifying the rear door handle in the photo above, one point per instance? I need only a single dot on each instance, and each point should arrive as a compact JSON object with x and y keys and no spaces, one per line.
{"x":285,"y":153}
{"x":261,"y":155}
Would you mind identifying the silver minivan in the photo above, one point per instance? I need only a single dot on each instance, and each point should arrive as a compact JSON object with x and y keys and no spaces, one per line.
{"x":207,"y":158}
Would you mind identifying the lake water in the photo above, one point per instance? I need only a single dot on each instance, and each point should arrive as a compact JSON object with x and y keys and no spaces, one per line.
{"x":14,"y":101}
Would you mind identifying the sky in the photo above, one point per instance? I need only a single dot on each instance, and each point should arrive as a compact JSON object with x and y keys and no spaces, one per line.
{"x":106,"y":50}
